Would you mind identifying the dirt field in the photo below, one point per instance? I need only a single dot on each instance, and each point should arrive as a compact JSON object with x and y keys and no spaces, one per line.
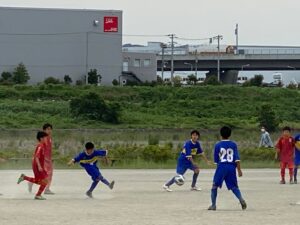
{"x":138,"y":199}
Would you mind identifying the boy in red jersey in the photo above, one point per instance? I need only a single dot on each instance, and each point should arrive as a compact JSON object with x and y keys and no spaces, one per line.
{"x":47,"y":128}
{"x":285,"y":150}
{"x":38,"y":166}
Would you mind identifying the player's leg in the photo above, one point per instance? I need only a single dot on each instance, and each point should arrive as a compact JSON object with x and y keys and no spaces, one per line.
{"x":295,"y":173}
{"x":93,"y":186}
{"x":181,"y":169}
{"x":24,"y":177}
{"x":282,"y":172}
{"x":49,"y":169}
{"x":43,"y":184}
{"x":232,"y":184}
{"x":195,"y":177}
{"x":291,"y":171}
{"x":217,"y":183}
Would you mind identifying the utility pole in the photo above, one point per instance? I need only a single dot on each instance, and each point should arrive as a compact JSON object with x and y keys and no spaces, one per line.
{"x":86,"y":58}
{"x":196,"y":62}
{"x":219,"y":37}
{"x":172,"y":36}
{"x":237,"y":38}
{"x":163,"y":46}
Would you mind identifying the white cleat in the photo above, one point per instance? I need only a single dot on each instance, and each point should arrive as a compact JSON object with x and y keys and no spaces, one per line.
{"x":196,"y":188}
{"x":166,"y":188}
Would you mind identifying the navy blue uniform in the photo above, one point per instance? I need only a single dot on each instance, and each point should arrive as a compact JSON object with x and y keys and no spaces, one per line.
{"x":297,"y":150}
{"x":225,"y":156}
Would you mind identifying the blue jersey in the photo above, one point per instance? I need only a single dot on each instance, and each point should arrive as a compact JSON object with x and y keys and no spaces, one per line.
{"x":89,"y":162}
{"x":189,"y":150}
{"x":297,"y":150}
{"x":226,"y":155}
{"x":226,"y":152}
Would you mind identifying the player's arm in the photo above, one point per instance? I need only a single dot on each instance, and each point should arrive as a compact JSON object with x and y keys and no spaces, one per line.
{"x":103,"y":153}
{"x":75,"y":160}
{"x":203,"y":156}
{"x":238,"y":166}
{"x":37,"y":158}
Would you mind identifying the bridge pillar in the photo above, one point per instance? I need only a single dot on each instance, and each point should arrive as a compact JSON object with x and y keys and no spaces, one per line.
{"x":226,"y":76}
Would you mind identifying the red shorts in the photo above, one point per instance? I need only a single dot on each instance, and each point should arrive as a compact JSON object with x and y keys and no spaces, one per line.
{"x":289,"y":165}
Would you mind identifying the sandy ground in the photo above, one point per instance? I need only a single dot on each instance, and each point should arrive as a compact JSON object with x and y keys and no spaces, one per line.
{"x":138,"y":198}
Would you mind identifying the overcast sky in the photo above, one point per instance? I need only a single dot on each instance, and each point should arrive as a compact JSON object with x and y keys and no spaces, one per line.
{"x":261,"y":22}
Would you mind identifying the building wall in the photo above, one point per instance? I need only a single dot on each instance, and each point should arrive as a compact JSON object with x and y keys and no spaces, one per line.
{"x":56,"y":42}
{"x":144,"y":71}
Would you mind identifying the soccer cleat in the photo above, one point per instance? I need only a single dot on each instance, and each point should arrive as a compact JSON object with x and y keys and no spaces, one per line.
{"x":30,"y":187}
{"x":39,"y":197}
{"x":48,"y":192}
{"x":295,"y":181}
{"x":243,"y":204}
{"x":167,"y":188}
{"x":89,"y":194}
{"x":111,"y":185}
{"x":21,"y":178}
{"x":212,"y":207}
{"x":196,"y":188}
{"x":282,"y":182}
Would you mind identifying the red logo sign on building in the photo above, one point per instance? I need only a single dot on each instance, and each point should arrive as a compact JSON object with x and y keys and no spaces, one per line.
{"x":110,"y":24}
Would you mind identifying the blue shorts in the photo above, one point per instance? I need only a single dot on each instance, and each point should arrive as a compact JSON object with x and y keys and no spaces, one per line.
{"x":94,"y":172}
{"x":297,"y":158}
{"x":183,"y":165}
{"x":227,"y":173}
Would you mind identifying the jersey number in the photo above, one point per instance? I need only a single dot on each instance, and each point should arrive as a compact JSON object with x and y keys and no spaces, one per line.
{"x":226,"y":155}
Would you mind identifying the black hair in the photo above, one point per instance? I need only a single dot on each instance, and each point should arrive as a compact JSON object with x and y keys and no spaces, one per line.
{"x":286,"y":128}
{"x":40,"y":135}
{"x":195,"y":132}
{"x":225,"y":132}
{"x":89,"y":145}
{"x":47,"y":125}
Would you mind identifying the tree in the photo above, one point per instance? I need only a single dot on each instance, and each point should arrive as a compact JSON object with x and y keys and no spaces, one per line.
{"x":192,"y":79}
{"x":67,"y":79}
{"x":115,"y":82}
{"x":177,"y":81}
{"x":51,"y":80}
{"x":267,"y":118}
{"x":257,"y":80}
{"x":20,"y":74}
{"x":6,"y":76}
{"x":93,"y":107}
{"x":93,"y":77}
{"x":211,"y":80}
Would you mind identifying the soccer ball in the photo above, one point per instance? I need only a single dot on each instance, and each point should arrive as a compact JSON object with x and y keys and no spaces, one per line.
{"x":179,"y":180}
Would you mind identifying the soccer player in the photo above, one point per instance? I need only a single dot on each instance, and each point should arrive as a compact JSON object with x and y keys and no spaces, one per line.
{"x":47,"y":128}
{"x":38,"y":166}
{"x":227,"y":158}
{"x":297,"y":157}
{"x":285,"y":149}
{"x":88,"y":160}
{"x":191,"y":148}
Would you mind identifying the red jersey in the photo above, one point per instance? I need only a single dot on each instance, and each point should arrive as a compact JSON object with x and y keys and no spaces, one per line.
{"x":286,"y":147}
{"x":39,"y":153}
{"x":48,"y":148}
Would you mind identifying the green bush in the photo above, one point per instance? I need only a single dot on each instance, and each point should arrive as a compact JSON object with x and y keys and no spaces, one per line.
{"x":156,"y":153}
{"x":93,"y":107}
{"x":257,"y":154}
{"x":52,"y":80}
{"x":267,"y":117}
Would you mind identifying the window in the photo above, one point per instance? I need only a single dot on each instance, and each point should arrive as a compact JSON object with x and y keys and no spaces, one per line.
{"x":137,"y":63}
{"x":125,"y":66}
{"x":147,"y":62}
